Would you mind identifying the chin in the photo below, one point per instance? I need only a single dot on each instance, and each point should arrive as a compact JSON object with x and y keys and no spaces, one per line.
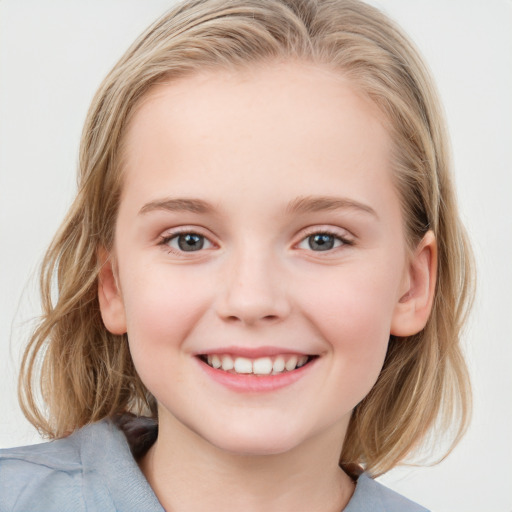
{"x":254,"y":442}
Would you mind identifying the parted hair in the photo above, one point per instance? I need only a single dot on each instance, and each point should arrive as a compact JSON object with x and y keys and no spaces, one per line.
{"x":75,"y":372}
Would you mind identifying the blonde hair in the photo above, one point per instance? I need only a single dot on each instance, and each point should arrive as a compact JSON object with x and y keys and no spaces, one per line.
{"x":87,"y":373}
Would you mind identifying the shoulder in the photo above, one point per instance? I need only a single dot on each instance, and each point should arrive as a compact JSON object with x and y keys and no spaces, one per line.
{"x":92,"y":469}
{"x":371,"y":496}
{"x":47,"y":476}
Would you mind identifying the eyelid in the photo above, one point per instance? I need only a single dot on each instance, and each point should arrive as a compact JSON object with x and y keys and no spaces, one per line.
{"x":165,"y":237}
{"x":342,"y":234}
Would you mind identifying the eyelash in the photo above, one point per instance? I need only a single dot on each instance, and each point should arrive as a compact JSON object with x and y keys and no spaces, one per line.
{"x":165,"y":239}
{"x":345,"y":241}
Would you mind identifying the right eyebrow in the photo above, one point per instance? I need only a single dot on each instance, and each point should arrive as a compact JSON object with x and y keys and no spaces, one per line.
{"x":177,"y":205}
{"x":306,"y":204}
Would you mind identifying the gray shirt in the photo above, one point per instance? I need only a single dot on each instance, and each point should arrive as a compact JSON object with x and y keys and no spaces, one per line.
{"x":94,"y":470}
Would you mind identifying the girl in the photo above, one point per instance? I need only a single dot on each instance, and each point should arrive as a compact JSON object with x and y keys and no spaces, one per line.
{"x":263,"y":277}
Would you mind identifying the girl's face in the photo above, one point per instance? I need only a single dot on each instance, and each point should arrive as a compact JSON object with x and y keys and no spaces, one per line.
{"x":258,"y":228}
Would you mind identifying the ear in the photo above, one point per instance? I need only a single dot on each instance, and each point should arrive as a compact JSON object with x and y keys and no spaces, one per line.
{"x":109,"y":295}
{"x":417,"y":295}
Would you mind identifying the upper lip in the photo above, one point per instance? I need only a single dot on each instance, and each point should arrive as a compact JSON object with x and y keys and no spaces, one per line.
{"x":254,"y":352}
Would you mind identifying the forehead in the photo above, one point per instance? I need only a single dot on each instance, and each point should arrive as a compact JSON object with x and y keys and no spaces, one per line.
{"x":274,"y":128}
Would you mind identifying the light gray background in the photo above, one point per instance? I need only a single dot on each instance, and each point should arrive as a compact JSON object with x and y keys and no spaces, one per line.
{"x":53,"y":55}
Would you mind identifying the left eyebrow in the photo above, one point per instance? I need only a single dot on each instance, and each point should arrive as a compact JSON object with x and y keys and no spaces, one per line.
{"x":177,"y":205}
{"x":308,"y":204}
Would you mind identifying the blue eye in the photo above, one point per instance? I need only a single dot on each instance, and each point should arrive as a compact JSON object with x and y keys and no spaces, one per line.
{"x":187,"y":242}
{"x":322,"y":242}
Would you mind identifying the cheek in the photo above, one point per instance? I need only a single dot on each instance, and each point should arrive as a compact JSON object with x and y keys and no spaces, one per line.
{"x":161,"y":309}
{"x":355,"y":315}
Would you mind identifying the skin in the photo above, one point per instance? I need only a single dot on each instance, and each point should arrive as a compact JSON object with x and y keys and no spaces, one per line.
{"x":259,"y":148}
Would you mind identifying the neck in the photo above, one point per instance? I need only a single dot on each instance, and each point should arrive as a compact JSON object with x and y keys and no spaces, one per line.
{"x":187,"y":473}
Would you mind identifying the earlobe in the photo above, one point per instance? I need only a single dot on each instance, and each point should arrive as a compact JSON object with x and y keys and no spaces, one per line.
{"x":415,"y":303}
{"x":109,"y":296}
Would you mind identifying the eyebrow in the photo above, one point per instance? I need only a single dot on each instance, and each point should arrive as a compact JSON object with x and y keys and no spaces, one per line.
{"x":177,"y":205}
{"x":309,"y":204}
{"x":303,"y":204}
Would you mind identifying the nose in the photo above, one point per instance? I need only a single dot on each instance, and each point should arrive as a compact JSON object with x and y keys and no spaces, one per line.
{"x":255,"y":291}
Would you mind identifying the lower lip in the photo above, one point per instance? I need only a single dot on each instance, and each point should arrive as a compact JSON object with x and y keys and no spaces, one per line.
{"x":250,"y":383}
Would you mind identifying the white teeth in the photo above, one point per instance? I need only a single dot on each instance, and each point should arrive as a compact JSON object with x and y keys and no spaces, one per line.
{"x":243,"y":365}
{"x":278,"y":364}
{"x":227,"y":363}
{"x":262,"y":366}
{"x":302,"y":361}
{"x":291,"y":363}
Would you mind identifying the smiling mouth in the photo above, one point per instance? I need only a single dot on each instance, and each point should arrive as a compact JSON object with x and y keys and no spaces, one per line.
{"x":260,"y":366}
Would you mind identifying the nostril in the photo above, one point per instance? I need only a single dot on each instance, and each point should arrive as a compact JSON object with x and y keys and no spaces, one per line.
{"x":250,"y":320}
